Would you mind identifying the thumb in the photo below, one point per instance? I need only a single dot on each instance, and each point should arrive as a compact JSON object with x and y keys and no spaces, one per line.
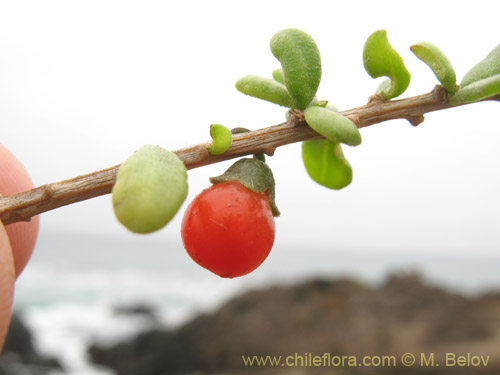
{"x":7,"y":278}
{"x":14,"y":179}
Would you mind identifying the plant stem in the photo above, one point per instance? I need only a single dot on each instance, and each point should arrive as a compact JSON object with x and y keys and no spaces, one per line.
{"x":22,"y":206}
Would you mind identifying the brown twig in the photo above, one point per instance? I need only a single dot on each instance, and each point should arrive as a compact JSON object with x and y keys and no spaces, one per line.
{"x":24,"y":205}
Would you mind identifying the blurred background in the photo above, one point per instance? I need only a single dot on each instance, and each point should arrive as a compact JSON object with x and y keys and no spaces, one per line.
{"x":85,"y":84}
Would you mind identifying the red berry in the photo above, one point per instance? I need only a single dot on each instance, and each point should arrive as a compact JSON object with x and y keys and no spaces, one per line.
{"x":228,"y":229}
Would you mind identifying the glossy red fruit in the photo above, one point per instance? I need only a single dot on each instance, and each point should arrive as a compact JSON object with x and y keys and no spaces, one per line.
{"x":229,"y":229}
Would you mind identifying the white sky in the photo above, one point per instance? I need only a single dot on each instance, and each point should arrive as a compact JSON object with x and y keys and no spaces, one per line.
{"x":84,"y":84}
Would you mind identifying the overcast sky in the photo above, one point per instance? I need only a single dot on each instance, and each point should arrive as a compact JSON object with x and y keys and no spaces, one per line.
{"x":84,"y":84}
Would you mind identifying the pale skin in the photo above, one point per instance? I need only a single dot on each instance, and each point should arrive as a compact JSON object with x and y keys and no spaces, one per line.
{"x":16,"y":240}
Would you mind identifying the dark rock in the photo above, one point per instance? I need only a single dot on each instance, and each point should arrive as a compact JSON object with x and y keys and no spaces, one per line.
{"x":142,"y":310}
{"x":137,"y":309}
{"x":19,"y":353}
{"x":340,"y":317}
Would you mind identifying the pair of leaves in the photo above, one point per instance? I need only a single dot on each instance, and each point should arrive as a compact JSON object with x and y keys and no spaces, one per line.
{"x":323,"y":158}
{"x":300,"y":75}
{"x":481,"y":82}
{"x":380,"y":59}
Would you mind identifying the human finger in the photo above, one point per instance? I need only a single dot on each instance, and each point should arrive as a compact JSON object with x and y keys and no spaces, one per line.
{"x":7,"y":279}
{"x":22,"y":235}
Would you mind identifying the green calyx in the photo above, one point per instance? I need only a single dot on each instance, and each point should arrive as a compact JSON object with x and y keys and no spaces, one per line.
{"x":380,"y":59}
{"x":255,"y":175}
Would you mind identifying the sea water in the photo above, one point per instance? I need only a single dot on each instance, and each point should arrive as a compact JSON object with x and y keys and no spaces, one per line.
{"x":73,"y":286}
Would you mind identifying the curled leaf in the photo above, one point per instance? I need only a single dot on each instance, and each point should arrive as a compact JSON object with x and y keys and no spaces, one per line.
{"x":300,"y":59}
{"x":332,"y":125}
{"x":150,"y":187}
{"x":222,"y":139}
{"x":482,"y":81}
{"x":439,"y":63}
{"x":325,"y":163}
{"x":266,"y":89}
{"x":380,"y":59}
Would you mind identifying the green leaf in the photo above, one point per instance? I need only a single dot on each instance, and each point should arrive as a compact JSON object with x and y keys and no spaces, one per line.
{"x":222,"y":139}
{"x":485,"y":69}
{"x":482,"y":81}
{"x":266,"y":89}
{"x":477,"y":91}
{"x":279,"y":76}
{"x":332,"y":108}
{"x":150,"y":187}
{"x":439,"y":63}
{"x":301,"y":62}
{"x":380,"y":59}
{"x":332,"y":125}
{"x":325,"y":163}
{"x":384,"y":86}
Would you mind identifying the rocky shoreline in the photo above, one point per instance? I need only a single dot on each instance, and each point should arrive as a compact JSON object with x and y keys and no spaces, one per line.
{"x":320,"y":318}
{"x":315,"y":327}
{"x":19,"y":355}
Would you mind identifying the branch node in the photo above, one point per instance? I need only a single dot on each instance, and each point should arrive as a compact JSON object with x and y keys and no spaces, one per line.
{"x":269,"y":151}
{"x":22,"y":206}
{"x":440,"y":94}
{"x":415,"y":120}
{"x":376,"y":99}
{"x":355,"y":119}
{"x":47,"y":191}
{"x":296,"y":117}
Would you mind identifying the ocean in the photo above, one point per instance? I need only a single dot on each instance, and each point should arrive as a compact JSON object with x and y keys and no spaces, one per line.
{"x":71,"y":290}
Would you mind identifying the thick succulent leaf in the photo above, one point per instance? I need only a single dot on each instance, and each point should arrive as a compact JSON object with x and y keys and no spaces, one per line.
{"x":332,"y":125}
{"x":485,"y":69}
{"x":325,"y":163}
{"x":150,"y":187}
{"x":222,"y":139}
{"x":279,"y":76}
{"x":482,"y":81}
{"x":477,"y":91}
{"x":380,"y":59}
{"x":301,"y":63}
{"x":439,"y":63}
{"x":266,"y":89}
